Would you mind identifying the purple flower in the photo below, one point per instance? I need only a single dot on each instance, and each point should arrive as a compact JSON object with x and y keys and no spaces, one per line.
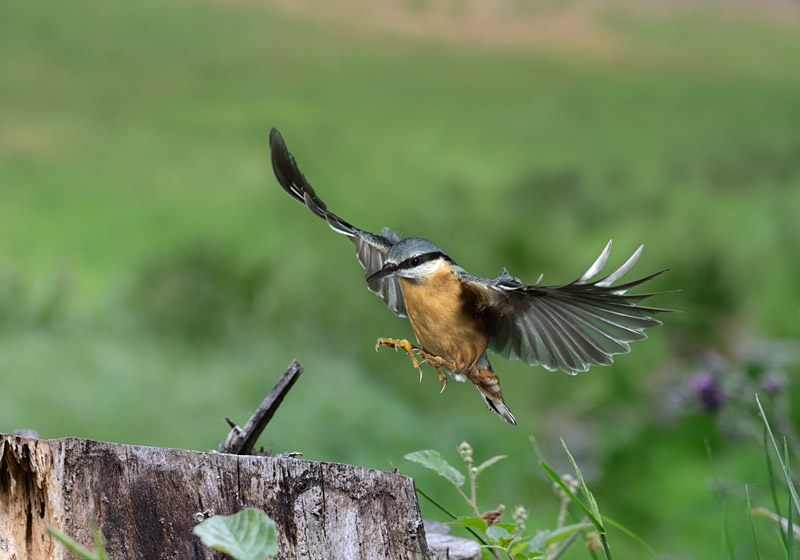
{"x":708,"y":390}
{"x":773,"y":383}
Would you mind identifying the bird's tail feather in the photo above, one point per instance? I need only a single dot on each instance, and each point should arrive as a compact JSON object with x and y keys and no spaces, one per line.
{"x":488,"y":386}
{"x":498,"y":406}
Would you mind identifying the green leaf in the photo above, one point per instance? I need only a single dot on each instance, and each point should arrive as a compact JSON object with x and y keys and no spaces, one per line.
{"x":539,"y":539}
{"x":519,"y":547}
{"x":565,"y":531}
{"x":557,"y":479}
{"x":498,"y":534}
{"x":752,"y":524}
{"x":433,"y":460}
{"x":584,"y":489}
{"x":471,"y":522}
{"x":772,"y":483}
{"x":784,"y":468}
{"x":630,"y":534}
{"x":99,"y":541}
{"x":247,"y":535}
{"x":489,"y":462}
{"x":789,"y":542}
{"x":72,"y":545}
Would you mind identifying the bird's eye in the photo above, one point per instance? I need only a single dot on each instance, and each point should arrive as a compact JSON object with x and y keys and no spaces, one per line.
{"x":415,"y":261}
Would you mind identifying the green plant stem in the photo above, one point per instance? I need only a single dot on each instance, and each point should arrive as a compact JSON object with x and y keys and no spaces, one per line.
{"x":450,"y":514}
{"x":772,"y":487}
{"x":99,"y":540}
{"x":562,"y":512}
{"x":630,"y":534}
{"x":470,"y":503}
{"x":472,"y":476}
{"x":73,"y":546}
{"x":605,"y":545}
{"x":557,"y":479}
{"x":789,"y":522}
{"x":437,"y":504}
{"x":563,"y":548}
{"x":752,"y":524}
{"x":789,"y":483}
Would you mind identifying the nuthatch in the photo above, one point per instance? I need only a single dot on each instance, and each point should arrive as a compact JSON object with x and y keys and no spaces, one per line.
{"x":456,"y":317}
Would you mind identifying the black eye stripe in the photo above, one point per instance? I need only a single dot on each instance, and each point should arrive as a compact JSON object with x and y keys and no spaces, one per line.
{"x":419,"y":259}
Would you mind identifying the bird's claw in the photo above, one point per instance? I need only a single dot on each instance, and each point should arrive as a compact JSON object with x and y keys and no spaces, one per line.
{"x":442,"y":377}
{"x":391,"y":342}
{"x":414,"y":352}
{"x":405,"y":345}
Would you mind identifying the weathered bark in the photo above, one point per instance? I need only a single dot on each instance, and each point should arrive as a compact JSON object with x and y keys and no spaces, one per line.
{"x":240,"y":441}
{"x":146,"y":501}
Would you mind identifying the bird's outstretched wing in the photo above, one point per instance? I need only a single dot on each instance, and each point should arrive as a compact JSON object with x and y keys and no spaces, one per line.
{"x":571,"y":327}
{"x":370,"y":248}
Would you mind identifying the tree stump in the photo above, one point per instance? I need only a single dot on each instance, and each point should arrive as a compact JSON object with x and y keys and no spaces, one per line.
{"x":146,"y":501}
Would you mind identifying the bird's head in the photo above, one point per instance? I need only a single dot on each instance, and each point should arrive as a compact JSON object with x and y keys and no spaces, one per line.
{"x":412,"y":258}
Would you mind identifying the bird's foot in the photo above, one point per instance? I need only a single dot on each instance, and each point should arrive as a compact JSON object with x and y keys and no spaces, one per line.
{"x":418,"y":357}
{"x":405,"y":346}
{"x":439,"y":363}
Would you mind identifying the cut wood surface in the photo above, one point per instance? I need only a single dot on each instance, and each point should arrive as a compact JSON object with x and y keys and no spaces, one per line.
{"x":147,"y":500}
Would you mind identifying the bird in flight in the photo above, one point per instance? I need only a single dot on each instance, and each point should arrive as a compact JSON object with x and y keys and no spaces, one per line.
{"x":457,"y":317}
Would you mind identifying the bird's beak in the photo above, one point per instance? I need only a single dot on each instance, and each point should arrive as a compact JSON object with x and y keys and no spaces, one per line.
{"x":388,"y":270}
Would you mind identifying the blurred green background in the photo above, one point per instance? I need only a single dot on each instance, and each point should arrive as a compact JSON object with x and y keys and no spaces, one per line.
{"x":154,"y":278}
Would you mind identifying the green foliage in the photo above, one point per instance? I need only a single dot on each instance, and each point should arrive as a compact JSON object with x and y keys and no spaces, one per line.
{"x":488,"y":463}
{"x":433,"y":460}
{"x":591,"y":510}
{"x":247,"y":535}
{"x":79,"y":550}
{"x":502,"y":537}
{"x":471,"y":522}
{"x":788,"y":530}
{"x":784,"y":463}
{"x":545,"y":539}
{"x":630,"y":534}
{"x":566,"y":489}
{"x":752,"y":523}
{"x":509,"y":538}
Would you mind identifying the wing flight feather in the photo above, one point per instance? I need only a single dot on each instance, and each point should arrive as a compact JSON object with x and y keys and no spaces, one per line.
{"x":370,"y":248}
{"x":569,"y":327}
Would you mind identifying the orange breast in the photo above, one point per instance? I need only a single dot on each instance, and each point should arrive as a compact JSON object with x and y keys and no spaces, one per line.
{"x":443,"y":318}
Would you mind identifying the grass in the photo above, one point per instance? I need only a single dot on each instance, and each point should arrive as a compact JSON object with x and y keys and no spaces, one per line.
{"x":133,"y":138}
